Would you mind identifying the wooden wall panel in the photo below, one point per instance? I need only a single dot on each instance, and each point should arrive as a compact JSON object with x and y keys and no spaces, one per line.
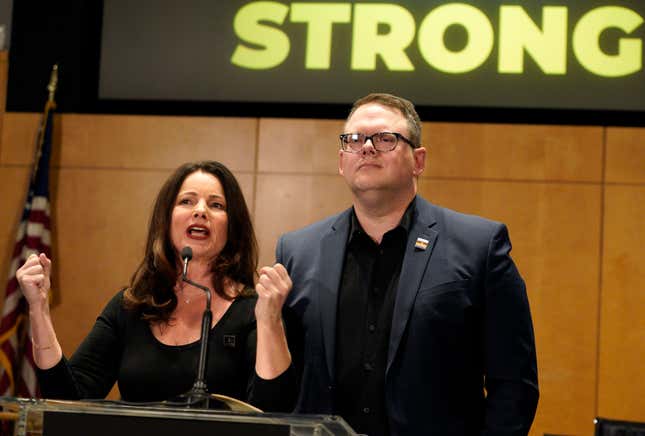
{"x":519,"y":152}
{"x":554,"y":229}
{"x":19,"y":133}
{"x":625,"y":155}
{"x":142,"y":142}
{"x":101,"y":219}
{"x":11,"y":203}
{"x":158,"y":142}
{"x":463,"y":150}
{"x":287,"y":202}
{"x":622,"y":337}
{"x":11,"y":198}
{"x":298,"y":181}
{"x":299,"y":146}
{"x":247,"y":183}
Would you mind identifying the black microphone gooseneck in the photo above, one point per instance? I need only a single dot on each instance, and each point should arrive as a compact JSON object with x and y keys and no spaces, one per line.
{"x":198,"y":395}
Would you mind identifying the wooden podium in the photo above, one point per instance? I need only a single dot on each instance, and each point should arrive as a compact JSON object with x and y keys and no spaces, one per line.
{"x":34,"y":417}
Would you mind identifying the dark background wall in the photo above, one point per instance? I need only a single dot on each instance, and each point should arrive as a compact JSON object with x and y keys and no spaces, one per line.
{"x":69,"y":33}
{"x":45,"y":33}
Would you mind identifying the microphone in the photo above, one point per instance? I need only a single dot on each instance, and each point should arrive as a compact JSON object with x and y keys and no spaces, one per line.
{"x":186,"y":256}
{"x":198,"y":394}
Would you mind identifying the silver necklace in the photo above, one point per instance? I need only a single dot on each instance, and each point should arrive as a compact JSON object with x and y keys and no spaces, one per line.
{"x":180,"y":288}
{"x":187,"y":299}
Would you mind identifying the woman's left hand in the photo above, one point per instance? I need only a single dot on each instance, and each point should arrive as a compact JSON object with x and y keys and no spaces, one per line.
{"x":273,"y":287}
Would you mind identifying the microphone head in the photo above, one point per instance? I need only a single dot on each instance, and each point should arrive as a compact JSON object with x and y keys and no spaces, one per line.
{"x":186,"y":253}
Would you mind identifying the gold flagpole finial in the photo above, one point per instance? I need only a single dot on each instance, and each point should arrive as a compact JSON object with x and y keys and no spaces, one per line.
{"x":50,"y":105}
{"x":53,"y":82}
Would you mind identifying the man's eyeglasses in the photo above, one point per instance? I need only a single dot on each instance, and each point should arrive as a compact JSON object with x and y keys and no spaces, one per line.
{"x":382,"y":141}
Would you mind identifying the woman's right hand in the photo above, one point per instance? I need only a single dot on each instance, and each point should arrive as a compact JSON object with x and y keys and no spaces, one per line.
{"x":34,"y":278}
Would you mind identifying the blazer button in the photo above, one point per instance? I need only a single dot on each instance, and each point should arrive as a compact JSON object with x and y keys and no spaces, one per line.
{"x":366,"y":410}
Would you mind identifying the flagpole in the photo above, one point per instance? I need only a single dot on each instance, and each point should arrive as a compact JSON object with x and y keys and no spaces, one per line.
{"x":51,"y":104}
{"x":18,"y":371}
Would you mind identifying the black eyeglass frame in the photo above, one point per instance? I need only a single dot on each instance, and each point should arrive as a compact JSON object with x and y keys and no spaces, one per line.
{"x":398,"y":137}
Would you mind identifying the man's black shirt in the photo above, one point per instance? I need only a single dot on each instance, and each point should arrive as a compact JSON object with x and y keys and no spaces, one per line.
{"x":364,"y":318}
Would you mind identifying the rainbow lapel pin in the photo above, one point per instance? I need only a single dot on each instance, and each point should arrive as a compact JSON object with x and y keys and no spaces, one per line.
{"x":421,"y":243}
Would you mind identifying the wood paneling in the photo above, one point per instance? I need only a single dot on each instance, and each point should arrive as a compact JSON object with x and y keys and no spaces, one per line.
{"x":101,"y":219}
{"x":515,"y":152}
{"x":141,"y":142}
{"x":545,"y":182}
{"x":287,"y":202}
{"x":19,"y":132}
{"x":625,"y":155}
{"x":622,"y":337}
{"x":554,"y":229}
{"x":299,"y":146}
{"x":12,"y":199}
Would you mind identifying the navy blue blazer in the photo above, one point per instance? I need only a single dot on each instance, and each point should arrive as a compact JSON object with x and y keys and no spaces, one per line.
{"x":461,"y":357}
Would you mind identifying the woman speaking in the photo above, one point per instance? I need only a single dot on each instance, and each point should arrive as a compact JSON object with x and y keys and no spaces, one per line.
{"x":147,"y":337}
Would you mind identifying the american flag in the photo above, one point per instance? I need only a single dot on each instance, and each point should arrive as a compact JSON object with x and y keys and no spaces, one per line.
{"x":17,"y":367}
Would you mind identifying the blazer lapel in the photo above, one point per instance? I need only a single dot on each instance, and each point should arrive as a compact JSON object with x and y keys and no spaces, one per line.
{"x":415,"y":262}
{"x":332,"y":254}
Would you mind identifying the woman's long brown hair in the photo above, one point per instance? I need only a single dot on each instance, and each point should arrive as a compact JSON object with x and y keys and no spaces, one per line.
{"x":151,"y":286}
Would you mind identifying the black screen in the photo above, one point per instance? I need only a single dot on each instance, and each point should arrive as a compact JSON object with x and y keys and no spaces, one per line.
{"x":554,"y":55}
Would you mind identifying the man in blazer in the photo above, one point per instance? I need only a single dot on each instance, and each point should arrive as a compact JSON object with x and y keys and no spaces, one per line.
{"x":413,"y":318}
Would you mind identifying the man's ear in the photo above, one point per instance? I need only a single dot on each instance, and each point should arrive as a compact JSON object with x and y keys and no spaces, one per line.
{"x":419,"y":155}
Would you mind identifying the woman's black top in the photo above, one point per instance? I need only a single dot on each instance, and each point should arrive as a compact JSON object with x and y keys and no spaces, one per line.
{"x":121,"y":348}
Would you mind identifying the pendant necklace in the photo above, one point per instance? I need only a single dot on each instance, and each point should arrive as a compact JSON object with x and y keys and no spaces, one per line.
{"x":186,"y":297}
{"x":183,"y":295}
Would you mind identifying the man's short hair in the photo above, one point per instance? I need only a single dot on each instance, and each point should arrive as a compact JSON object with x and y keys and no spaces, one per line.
{"x":399,"y":103}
